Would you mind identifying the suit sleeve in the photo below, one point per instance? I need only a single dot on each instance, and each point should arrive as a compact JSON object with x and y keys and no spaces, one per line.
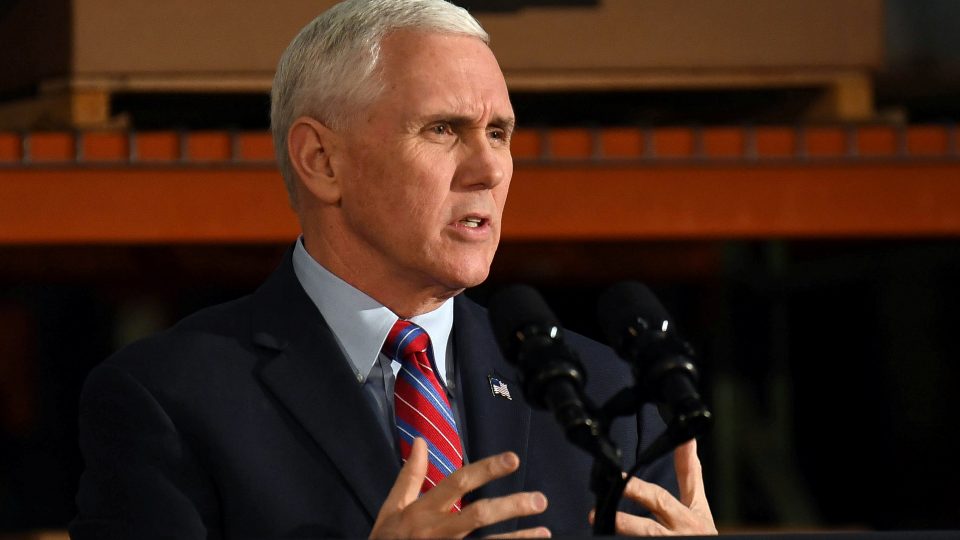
{"x":141,"y":478}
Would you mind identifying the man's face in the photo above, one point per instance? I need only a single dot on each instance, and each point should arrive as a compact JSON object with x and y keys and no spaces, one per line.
{"x":428,"y":163}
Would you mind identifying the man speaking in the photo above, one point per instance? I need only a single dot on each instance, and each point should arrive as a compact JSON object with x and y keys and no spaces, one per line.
{"x":356,"y":392}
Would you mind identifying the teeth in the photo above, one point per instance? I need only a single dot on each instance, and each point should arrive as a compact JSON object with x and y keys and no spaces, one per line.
{"x":471,"y":222}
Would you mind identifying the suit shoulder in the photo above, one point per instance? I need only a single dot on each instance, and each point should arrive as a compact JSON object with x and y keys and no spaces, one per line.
{"x":203,"y":335}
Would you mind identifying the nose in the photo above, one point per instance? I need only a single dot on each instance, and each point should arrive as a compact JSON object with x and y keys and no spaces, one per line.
{"x":482,"y":165}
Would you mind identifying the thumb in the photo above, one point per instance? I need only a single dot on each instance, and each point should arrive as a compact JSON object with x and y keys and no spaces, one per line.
{"x":406,"y":488}
{"x":689,"y":473}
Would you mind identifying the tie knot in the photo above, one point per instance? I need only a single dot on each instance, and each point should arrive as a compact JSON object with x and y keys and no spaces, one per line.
{"x":404,"y":339}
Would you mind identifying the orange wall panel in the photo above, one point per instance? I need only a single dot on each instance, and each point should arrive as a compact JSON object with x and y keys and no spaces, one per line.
{"x":111,"y":205}
{"x":105,"y":146}
{"x":927,"y":140}
{"x":209,"y":146}
{"x":715,"y":201}
{"x":723,"y":142}
{"x":10,"y":146}
{"x":603,"y":185}
{"x":158,"y":146}
{"x":876,"y":141}
{"x":825,"y":142}
{"x":526,"y":144}
{"x":776,"y":142}
{"x":673,"y":142}
{"x":52,"y":146}
{"x":622,"y":143}
{"x":571,"y":143}
{"x":255,"y":146}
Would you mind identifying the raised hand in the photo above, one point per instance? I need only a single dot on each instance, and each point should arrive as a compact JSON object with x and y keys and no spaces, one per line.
{"x":405,"y":515}
{"x":688,"y":516}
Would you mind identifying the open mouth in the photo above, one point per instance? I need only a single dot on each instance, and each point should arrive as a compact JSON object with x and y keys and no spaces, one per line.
{"x":473,"y":222}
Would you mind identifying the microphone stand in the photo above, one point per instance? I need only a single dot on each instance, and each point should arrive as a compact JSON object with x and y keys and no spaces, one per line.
{"x":607,"y":482}
{"x":589,"y":429}
{"x":607,"y":479}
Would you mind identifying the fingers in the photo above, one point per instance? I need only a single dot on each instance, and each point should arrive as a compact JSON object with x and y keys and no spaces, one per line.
{"x":689,"y":473}
{"x":689,"y":515}
{"x":404,"y":515}
{"x":485,"y":511}
{"x":692,"y":491}
{"x":535,"y":532}
{"x":407,"y":486}
{"x":659,"y":501}
{"x":469,"y":478}
{"x":630,"y":525}
{"x":489,"y":511}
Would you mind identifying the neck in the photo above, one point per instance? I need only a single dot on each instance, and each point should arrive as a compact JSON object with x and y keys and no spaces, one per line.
{"x":402,"y":296}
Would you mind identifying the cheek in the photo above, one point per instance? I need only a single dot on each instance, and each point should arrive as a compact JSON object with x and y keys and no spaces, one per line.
{"x":500,"y":192}
{"x":374,"y":182}
{"x":357,"y":179}
{"x":427,"y":186}
{"x":504,"y":186}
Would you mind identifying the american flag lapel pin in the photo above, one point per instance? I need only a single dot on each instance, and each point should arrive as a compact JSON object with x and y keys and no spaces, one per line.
{"x":499,"y":388}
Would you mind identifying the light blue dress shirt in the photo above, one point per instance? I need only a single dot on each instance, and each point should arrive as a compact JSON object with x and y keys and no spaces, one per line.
{"x":360,"y":325}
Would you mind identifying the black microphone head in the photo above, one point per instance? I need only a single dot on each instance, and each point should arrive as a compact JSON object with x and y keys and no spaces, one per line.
{"x":549,"y":371}
{"x":515,"y":308}
{"x":640,"y":330}
{"x":629,"y":308}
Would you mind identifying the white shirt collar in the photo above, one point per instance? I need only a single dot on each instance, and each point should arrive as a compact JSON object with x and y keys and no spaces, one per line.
{"x":360,"y":324}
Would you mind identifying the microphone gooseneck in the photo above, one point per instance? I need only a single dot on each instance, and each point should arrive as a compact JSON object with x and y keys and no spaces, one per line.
{"x":642,"y":333}
{"x":550,"y":372}
{"x":553,"y":378}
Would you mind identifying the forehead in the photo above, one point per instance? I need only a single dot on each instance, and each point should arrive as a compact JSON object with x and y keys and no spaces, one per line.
{"x":427,"y":70}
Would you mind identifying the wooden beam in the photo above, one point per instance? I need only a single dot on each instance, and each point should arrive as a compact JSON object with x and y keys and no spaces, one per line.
{"x":81,"y":109}
{"x":584,"y":202}
{"x":734,"y":201}
{"x":143,"y":205}
{"x":845,"y":94}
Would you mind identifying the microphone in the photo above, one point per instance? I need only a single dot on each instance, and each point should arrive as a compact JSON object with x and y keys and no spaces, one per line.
{"x":550,"y":372}
{"x":642,"y":333}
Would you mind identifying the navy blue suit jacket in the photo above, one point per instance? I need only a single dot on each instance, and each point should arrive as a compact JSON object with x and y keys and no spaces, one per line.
{"x":244,"y":421}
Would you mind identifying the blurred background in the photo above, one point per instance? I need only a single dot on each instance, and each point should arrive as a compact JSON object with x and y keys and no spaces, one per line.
{"x":784,"y":174}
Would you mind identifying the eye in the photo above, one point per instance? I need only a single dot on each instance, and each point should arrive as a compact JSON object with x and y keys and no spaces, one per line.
{"x":441,"y":129}
{"x":498,"y":135}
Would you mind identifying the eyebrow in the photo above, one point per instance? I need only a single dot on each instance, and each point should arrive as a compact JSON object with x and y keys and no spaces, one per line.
{"x":506,"y":122}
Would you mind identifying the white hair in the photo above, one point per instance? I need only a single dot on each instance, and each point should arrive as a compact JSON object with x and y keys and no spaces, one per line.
{"x":329,"y":69}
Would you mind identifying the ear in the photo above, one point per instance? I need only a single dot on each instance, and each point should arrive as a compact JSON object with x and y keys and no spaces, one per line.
{"x":311,"y":145}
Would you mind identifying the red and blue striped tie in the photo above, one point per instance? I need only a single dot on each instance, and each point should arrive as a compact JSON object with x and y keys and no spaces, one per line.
{"x":421,"y":405}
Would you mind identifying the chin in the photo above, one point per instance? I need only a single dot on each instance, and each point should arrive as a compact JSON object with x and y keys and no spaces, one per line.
{"x":468,"y":276}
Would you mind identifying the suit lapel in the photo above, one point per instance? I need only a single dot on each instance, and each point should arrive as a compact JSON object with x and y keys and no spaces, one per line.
{"x":494,"y":424}
{"x":305,"y":370}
